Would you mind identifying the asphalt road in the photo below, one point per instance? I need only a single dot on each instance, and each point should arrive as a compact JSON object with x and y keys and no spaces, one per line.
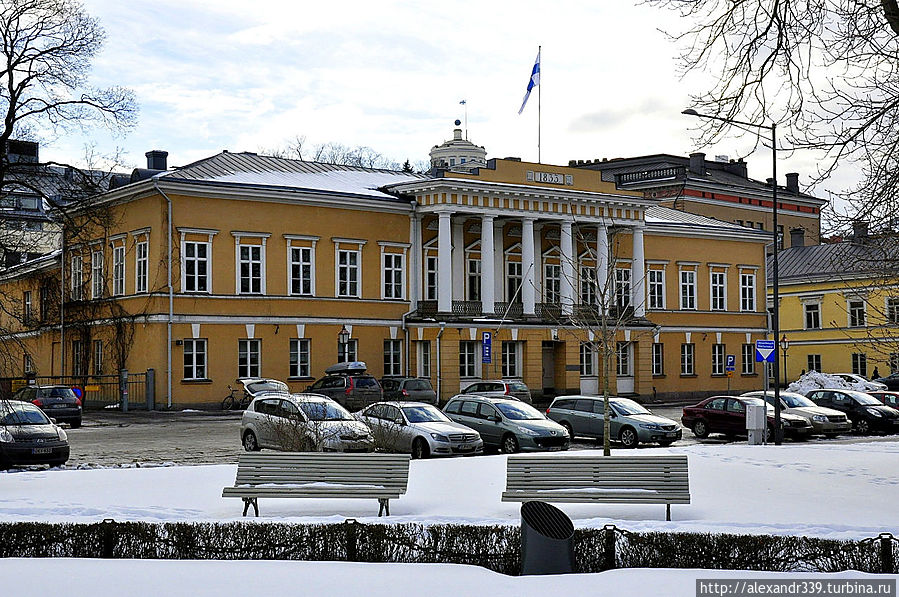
{"x":200,"y":437}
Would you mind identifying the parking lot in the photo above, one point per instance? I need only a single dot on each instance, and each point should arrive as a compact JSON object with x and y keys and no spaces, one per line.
{"x":203,"y":437}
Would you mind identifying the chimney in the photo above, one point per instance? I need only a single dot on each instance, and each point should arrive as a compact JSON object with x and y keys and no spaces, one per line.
{"x":156,"y":160}
{"x":737,"y":168}
{"x":859,"y":230}
{"x":797,"y":237}
{"x":793,"y":182}
{"x":697,"y":163}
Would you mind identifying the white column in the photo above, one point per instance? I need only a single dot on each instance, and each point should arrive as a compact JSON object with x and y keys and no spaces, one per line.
{"x":567,"y":282}
{"x":487,"y":264}
{"x":604,"y":289}
{"x":499,"y":271}
{"x":528,"y":294}
{"x":413,"y":269}
{"x":458,"y":280}
{"x":444,"y":264}
{"x":638,"y":274}
{"x":538,"y":262}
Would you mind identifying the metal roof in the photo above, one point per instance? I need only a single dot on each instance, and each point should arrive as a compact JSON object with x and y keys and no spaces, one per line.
{"x":848,"y":259}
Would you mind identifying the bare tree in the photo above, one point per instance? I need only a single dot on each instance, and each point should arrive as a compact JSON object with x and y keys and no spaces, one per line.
{"x":826,"y":72}
{"x":361,"y":156}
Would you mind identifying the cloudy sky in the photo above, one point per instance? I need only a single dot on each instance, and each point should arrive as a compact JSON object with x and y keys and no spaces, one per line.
{"x":249,"y":76}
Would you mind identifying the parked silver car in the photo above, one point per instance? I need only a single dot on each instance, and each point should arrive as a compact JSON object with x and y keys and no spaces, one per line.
{"x":500,"y":388}
{"x":419,"y":429}
{"x":302,"y":423}
{"x":825,"y":421}
{"x":630,"y":422}
{"x":507,"y":423}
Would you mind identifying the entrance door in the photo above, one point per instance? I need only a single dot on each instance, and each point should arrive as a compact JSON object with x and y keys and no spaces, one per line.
{"x":549,"y":368}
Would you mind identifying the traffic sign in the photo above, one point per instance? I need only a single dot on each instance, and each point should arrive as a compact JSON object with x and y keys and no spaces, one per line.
{"x":486,"y":347}
{"x":764,"y":351}
{"x":730,"y":362}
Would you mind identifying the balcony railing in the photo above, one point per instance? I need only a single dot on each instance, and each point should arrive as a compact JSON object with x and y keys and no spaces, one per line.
{"x":515,"y":310}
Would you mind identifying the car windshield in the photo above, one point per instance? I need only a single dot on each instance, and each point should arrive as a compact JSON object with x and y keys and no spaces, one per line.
{"x":796,"y":401}
{"x":424,"y":414}
{"x":629,"y":407}
{"x":418,"y":384}
{"x":519,"y":411}
{"x":22,"y":414}
{"x":517,"y":386}
{"x":325,"y":411}
{"x":865,"y":399}
{"x":269,"y":385}
{"x":57,"y":393}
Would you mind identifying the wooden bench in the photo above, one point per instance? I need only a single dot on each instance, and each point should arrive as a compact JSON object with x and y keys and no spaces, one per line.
{"x":319,"y":475}
{"x":599,"y":479}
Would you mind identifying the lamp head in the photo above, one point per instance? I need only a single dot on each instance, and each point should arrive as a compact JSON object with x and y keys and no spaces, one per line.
{"x":691,"y":112}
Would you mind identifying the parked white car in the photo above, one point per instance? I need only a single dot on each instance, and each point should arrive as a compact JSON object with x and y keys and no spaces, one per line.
{"x":858,"y":380}
{"x":419,"y":429}
{"x":302,"y":423}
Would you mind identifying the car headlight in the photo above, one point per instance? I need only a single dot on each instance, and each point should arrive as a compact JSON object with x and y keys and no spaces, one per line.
{"x":527,"y":431}
{"x":439,"y":437}
{"x":874,"y":412}
{"x":62,"y":434}
{"x":653,"y":426}
{"x":820,"y":418}
{"x":6,"y":437}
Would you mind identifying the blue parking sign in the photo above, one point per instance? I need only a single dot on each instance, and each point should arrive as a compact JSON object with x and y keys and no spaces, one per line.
{"x":730,"y":362}
{"x":486,"y":347}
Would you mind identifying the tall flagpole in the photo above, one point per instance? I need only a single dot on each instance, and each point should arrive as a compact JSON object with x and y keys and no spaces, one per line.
{"x":539,"y":94}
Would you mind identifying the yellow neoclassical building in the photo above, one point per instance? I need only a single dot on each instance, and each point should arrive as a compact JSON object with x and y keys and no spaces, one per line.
{"x":242,"y":265}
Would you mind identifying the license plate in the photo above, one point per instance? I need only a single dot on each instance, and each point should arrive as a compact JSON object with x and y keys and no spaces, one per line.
{"x":465,"y":448}
{"x":41,"y":450}
{"x":671,"y":434}
{"x":57,"y":406}
{"x":555,"y":448}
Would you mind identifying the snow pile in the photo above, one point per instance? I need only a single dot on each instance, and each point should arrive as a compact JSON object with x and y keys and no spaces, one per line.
{"x":814,"y":380}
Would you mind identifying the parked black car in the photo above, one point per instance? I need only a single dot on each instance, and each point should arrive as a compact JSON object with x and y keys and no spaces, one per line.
{"x":28,"y":436}
{"x":891,"y":381}
{"x":408,"y":389}
{"x":59,"y":402}
{"x":349,"y":385}
{"x":866,"y":412}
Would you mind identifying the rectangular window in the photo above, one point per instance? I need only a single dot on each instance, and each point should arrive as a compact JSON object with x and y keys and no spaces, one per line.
{"x":196,"y":266}
{"x":688,"y":289}
{"x":588,"y":285}
{"x":250,"y":269}
{"x":430,"y":278}
{"x":28,"y":364}
{"x":719,"y":291}
{"x":348,"y":273}
{"x":656,"y":289}
{"x":747,"y":292}
{"x":747,"y":356}
{"x":347,"y":352}
{"x":45,"y":297}
{"x":513,"y":281}
{"x":78,"y":367}
{"x":892,"y":309}
{"x":118,"y":271}
{"x":718,"y":352}
{"x":623,"y":359}
{"x":894,"y":362}
{"x":97,"y":274}
{"x":98,"y":357}
{"x":814,"y":362}
{"x":393,"y":275}
{"x":77,"y":278}
{"x":473,"y":268}
{"x":687,"y":352}
{"x":424,"y":358}
{"x":248,"y":357}
{"x":552,"y":283}
{"x":301,"y":271}
{"x":812,"y":316}
{"x":141,"y":266}
{"x":195,"y":358}
{"x":658,"y":358}
{"x":511,"y":359}
{"x":588,"y":359}
{"x":393,"y":352}
{"x":856,"y":314}
{"x":860,"y":364}
{"x":27,"y":312}
{"x":622,"y":287}
{"x":468,"y":359}
{"x":299,"y":357}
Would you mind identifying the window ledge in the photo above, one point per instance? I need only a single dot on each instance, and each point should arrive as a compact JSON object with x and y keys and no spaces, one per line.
{"x":690,"y":375}
{"x":300,"y":379}
{"x":749,"y":375}
{"x":196,"y":381}
{"x":660,"y":376}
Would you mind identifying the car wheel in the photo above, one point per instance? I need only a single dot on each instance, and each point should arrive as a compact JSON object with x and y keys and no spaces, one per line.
{"x":509,"y":445}
{"x":568,"y":428}
{"x":249,"y":442}
{"x":75,"y":424}
{"x":628,"y":437}
{"x":862,"y":427}
{"x":420,"y":449}
{"x":700,"y":429}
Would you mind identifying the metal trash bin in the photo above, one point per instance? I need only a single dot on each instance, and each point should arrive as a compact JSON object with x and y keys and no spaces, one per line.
{"x":547,"y":540}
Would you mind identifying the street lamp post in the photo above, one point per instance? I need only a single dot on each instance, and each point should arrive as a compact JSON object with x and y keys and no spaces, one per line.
{"x":343,"y":338}
{"x":775,"y":319}
{"x":784,"y":345}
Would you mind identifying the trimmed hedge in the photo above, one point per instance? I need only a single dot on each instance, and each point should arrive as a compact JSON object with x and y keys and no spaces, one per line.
{"x":494,"y":547}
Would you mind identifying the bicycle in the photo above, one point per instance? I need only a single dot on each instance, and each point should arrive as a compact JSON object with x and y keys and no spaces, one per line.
{"x":232,"y":402}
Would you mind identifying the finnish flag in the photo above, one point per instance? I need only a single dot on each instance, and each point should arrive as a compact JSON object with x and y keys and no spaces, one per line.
{"x":533,"y":82}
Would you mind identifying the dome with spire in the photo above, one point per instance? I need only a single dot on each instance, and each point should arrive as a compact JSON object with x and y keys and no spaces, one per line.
{"x":458,"y":154}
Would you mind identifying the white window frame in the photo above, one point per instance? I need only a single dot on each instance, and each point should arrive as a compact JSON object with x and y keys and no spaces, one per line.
{"x":588,"y":291}
{"x":141,"y":266}
{"x":511,"y":355}
{"x":393,"y":357}
{"x":77,"y":277}
{"x":891,"y":309}
{"x":118,"y":270}
{"x":473,"y":278}
{"x":552,"y":283}
{"x":747,"y":359}
{"x":687,"y":288}
{"x":208,"y":259}
{"x":718,"y":290}
{"x":297,"y":244}
{"x":393,"y":275}
{"x":423,"y":360}
{"x":655,"y":288}
{"x":250,"y":347}
{"x":849,"y":312}
{"x":469,"y":370}
{"x":805,"y":314}
{"x":514,"y":280}
{"x":624,"y":358}
{"x":623,"y":287}
{"x":27,"y":307}
{"x":194,"y":347}
{"x":78,"y":358}
{"x":250,"y":261}
{"x":298,"y":366}
{"x":687,"y":359}
{"x":748,"y":294}
{"x":588,"y":359}
{"x":340,"y":247}
{"x":97,"y":273}
{"x":431,"y":277}
{"x":813,"y":361}
{"x":97,"y":360}
{"x":719,"y":352}
{"x":658,"y":358}
{"x":860,"y":364}
{"x":348,"y":352}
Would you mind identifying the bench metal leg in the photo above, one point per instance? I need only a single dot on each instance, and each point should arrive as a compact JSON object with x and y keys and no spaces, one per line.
{"x":385,"y":506}
{"x":668,"y":512}
{"x":246,"y":505}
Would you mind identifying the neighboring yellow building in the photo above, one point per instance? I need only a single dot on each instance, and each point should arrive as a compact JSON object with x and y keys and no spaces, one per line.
{"x":839,"y":306}
{"x":242,"y":265}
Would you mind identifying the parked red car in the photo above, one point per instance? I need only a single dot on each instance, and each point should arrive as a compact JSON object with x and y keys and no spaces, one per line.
{"x":887,"y":397}
{"x":727,"y":415}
